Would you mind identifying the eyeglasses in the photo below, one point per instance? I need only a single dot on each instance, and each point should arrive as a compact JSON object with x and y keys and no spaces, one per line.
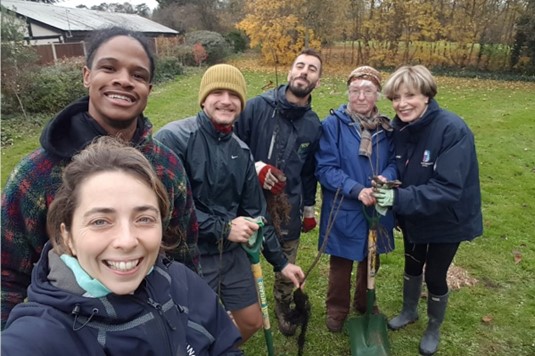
{"x":368,"y":93}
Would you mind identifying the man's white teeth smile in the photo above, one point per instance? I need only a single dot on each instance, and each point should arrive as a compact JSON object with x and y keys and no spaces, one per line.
{"x":120,"y":97}
{"x":122,"y":265}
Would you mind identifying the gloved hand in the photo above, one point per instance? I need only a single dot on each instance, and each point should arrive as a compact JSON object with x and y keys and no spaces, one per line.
{"x":271,"y":178}
{"x":309,"y":219}
{"x":384,"y":197}
{"x":381,"y":210}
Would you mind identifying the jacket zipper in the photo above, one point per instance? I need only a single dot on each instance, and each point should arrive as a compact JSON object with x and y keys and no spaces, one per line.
{"x":162,"y":327}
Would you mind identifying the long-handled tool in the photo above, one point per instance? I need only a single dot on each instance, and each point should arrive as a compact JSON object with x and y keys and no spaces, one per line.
{"x":252,"y":248}
{"x":368,"y":333}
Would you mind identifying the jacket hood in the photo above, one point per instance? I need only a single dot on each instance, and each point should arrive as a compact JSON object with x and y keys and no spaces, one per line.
{"x":341,"y":114}
{"x":73,"y":129}
{"x":53,"y":284}
{"x":276,"y":98}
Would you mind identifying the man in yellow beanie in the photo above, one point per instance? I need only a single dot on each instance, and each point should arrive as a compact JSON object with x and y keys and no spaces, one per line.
{"x":227,"y":194}
{"x":283,"y":133}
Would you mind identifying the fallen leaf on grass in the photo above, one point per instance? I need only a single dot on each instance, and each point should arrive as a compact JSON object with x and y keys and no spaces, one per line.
{"x":487,"y":319}
{"x":268,"y":85}
{"x":517,"y":256}
{"x":459,"y":277}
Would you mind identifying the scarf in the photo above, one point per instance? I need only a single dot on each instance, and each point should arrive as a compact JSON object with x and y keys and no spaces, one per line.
{"x":367,"y":125}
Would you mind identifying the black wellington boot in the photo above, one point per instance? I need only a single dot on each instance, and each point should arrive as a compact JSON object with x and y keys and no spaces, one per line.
{"x":412,"y":288}
{"x":436,"y":310}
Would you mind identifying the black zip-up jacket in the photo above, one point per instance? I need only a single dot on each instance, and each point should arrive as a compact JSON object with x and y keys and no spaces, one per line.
{"x":295,"y":132}
{"x":224,"y":183}
{"x":439,"y":200}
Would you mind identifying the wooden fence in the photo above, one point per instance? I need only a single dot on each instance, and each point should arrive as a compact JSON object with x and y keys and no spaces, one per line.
{"x":52,"y":52}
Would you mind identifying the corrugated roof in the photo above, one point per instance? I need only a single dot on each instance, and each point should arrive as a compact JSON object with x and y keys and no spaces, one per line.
{"x":75,"y":19}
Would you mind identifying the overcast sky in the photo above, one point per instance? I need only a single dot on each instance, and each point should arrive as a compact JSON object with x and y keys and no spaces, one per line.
{"x":152,"y":4}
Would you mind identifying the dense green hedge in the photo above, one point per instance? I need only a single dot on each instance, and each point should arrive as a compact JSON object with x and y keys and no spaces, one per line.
{"x":48,"y":89}
{"x":168,"y":68}
{"x":53,"y":87}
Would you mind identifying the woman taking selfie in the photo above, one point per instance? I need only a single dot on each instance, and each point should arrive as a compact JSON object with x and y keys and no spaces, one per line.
{"x":102,"y":285}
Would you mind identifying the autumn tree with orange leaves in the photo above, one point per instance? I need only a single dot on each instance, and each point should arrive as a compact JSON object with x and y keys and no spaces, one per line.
{"x":475,"y":34}
{"x":278,"y":28}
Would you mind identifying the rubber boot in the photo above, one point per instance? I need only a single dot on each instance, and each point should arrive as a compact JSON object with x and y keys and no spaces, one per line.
{"x":412,"y":288}
{"x":436,"y":309}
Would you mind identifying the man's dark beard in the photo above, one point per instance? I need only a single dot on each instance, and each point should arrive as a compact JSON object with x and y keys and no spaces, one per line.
{"x":300,"y":92}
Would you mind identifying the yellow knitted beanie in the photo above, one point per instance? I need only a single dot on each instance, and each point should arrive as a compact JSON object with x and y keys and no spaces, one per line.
{"x":223,"y":76}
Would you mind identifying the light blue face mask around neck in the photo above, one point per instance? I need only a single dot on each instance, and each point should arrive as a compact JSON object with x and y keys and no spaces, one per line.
{"x":93,"y":287}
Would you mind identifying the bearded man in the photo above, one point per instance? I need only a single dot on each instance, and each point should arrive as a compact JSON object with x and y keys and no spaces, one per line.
{"x":283,"y":132}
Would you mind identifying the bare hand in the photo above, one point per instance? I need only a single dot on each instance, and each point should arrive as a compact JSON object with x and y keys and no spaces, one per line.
{"x":294,"y":273}
{"x":366,"y":196}
{"x":242,"y":229}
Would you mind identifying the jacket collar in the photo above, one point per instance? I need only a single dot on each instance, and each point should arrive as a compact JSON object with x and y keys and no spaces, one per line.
{"x":73,"y":129}
{"x":66,"y":296}
{"x":277,"y":99}
{"x":206,"y":125}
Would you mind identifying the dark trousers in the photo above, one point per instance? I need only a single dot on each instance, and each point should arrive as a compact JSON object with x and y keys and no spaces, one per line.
{"x":339,"y":288}
{"x":436,"y":258}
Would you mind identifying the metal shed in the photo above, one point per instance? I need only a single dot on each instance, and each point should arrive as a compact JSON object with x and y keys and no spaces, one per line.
{"x":47,"y":23}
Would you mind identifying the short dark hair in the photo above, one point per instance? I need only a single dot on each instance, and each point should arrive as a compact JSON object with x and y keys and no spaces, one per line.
{"x":103,"y":35}
{"x":311,"y":52}
{"x":105,"y":154}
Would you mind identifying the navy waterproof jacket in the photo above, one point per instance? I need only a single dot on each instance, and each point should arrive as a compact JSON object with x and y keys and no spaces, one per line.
{"x":224,"y":183}
{"x":439,"y":200}
{"x":173,"y":312}
{"x":270,"y":122}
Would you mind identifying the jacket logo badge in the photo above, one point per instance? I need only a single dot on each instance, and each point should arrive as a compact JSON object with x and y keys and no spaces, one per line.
{"x":233,"y":157}
{"x":426,"y":159}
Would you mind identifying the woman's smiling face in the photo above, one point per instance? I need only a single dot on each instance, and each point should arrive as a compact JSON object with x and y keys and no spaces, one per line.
{"x":409,"y":104}
{"x":116,"y":230}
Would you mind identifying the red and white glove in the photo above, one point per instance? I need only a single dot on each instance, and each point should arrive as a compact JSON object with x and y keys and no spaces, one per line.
{"x":309,"y":219}
{"x":271,"y":178}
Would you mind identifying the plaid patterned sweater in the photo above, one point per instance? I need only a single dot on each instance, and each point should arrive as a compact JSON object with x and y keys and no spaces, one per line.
{"x":33,"y":183}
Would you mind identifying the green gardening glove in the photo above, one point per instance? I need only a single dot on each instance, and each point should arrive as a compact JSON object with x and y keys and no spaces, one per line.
{"x":384,"y":197}
{"x":381,"y":210}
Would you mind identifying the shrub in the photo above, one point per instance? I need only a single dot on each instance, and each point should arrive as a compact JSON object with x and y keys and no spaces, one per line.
{"x":199,"y":53}
{"x":214,"y":43}
{"x":54,"y":87}
{"x":17,"y":60}
{"x":168,"y":68}
{"x":237,"y":40}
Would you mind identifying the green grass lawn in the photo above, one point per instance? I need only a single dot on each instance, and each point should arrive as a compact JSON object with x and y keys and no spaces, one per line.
{"x":496,"y":316}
